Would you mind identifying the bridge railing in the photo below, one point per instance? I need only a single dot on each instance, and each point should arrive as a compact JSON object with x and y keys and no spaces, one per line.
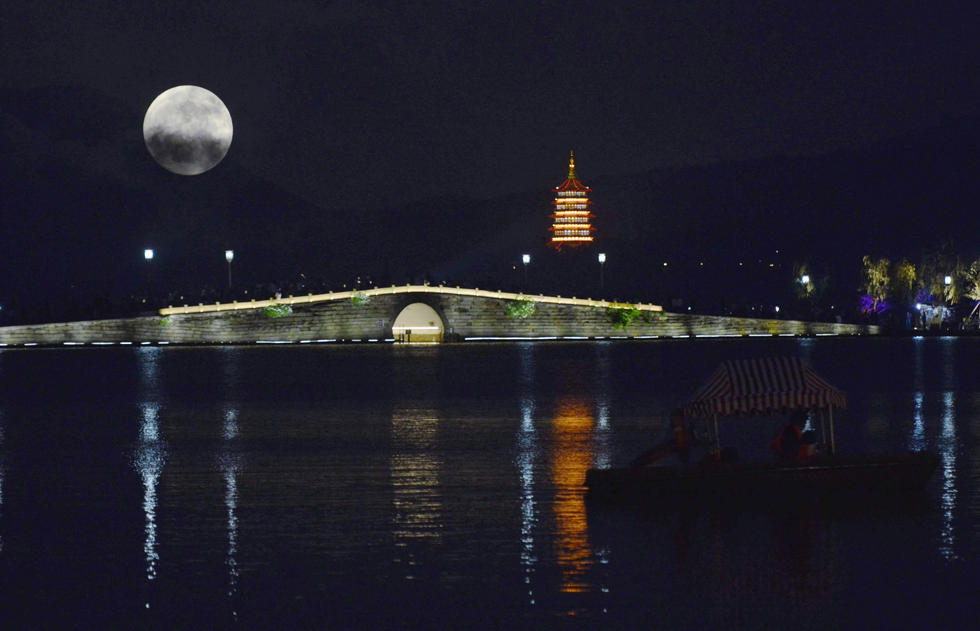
{"x":401,"y":289}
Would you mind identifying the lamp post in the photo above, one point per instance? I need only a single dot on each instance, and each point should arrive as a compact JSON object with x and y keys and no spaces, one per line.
{"x":602,"y":264}
{"x":525,"y":258}
{"x":805,"y":279}
{"x":229,"y":256}
{"x":148,"y":256}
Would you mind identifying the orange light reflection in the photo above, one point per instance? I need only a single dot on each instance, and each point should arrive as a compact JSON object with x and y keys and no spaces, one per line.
{"x":572,"y":458}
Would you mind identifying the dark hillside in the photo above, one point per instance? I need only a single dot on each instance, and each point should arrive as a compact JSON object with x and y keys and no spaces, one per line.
{"x":892,"y":198}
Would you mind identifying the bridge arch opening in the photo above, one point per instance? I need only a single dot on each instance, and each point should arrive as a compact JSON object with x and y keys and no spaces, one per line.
{"x":418,"y":323}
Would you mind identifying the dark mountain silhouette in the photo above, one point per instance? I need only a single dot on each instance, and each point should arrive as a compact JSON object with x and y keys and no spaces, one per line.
{"x":894,"y":198}
{"x":81,"y":198}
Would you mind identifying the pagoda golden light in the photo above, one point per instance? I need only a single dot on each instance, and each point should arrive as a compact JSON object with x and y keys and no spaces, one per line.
{"x":573,"y":455}
{"x":570,"y":220}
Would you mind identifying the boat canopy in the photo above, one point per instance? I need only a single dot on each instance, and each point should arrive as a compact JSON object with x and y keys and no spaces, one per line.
{"x":768,"y":385}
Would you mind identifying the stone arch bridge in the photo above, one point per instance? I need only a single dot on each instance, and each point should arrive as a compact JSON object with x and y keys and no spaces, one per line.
{"x":411,"y":313}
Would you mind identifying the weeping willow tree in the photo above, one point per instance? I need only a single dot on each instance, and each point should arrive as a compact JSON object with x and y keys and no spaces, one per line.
{"x":904,"y":282}
{"x":971,"y":280}
{"x":941,"y":275}
{"x":876,"y":280}
{"x":971,"y":284}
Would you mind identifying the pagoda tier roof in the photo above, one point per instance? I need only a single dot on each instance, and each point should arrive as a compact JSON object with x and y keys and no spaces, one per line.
{"x":572,"y":184}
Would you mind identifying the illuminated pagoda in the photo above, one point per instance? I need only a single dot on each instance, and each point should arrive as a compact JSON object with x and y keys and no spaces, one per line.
{"x":573,"y":211}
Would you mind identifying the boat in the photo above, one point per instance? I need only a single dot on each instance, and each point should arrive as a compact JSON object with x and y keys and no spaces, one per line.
{"x":761,"y":387}
{"x":822,"y":480}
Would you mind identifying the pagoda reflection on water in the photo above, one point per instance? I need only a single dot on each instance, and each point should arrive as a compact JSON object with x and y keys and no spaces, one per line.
{"x":573,"y":211}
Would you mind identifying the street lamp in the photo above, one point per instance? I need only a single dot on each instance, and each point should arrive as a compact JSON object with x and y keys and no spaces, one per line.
{"x":525,"y":258}
{"x":602,"y":264}
{"x":948,"y":280}
{"x":805,"y":279}
{"x":148,"y":256}
{"x":229,"y":256}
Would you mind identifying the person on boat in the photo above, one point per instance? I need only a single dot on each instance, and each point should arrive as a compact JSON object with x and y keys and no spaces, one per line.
{"x":808,"y":441}
{"x":678,"y":442}
{"x":788,"y":444}
{"x":683,"y":435}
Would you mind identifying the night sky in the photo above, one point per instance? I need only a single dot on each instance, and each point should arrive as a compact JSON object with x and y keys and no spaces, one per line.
{"x":353,"y":110}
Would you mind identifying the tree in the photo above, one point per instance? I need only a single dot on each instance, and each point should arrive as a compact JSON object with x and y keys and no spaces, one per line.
{"x":954,"y":290}
{"x":876,"y":281}
{"x":802,"y":281}
{"x":971,"y":281}
{"x":810,"y":288}
{"x":935,"y":268}
{"x":904,"y":279}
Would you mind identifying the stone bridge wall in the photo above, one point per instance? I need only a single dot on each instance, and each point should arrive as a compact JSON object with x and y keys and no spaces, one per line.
{"x":464,"y":316}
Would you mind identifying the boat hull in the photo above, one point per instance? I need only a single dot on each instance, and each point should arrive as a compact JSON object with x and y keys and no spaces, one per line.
{"x":830,"y":479}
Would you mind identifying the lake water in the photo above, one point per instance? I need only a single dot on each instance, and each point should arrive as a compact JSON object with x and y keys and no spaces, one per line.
{"x":376,"y":487}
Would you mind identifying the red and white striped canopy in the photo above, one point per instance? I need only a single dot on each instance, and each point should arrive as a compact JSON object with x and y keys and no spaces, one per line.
{"x":768,"y":385}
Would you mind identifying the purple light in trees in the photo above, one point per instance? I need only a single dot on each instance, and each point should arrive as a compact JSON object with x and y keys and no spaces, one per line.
{"x":868,"y":305}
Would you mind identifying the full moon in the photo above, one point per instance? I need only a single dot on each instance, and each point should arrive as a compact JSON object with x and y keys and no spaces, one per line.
{"x":187,"y":130}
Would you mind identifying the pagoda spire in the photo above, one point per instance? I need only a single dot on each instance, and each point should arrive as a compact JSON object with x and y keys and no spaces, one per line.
{"x":571,"y":165}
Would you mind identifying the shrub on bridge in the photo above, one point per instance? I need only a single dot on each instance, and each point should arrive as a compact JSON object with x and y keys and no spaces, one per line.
{"x":359,"y":299}
{"x":278,"y":311}
{"x":521,"y":309}
{"x":621,"y":317}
